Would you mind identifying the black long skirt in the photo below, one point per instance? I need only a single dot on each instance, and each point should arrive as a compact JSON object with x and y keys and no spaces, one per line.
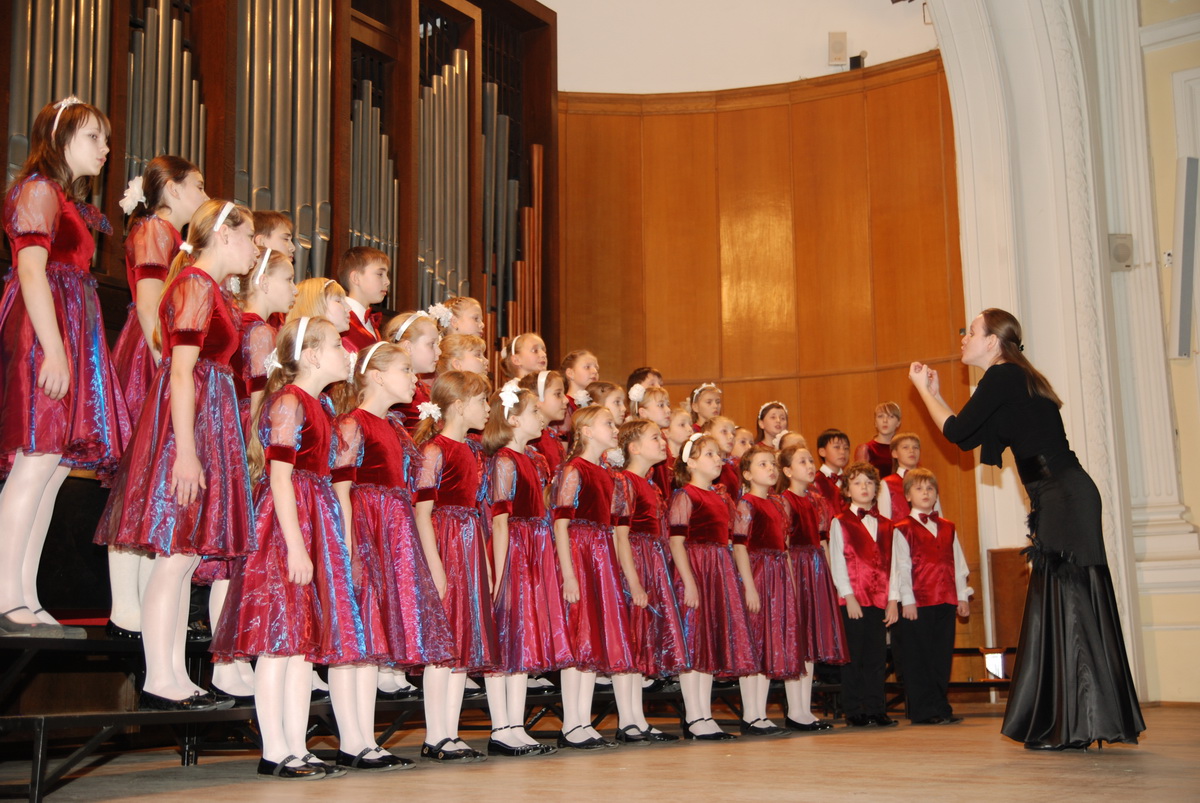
{"x":1071,"y":684}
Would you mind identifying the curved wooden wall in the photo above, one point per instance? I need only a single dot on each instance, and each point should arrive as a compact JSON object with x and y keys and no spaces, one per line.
{"x":795,"y":242}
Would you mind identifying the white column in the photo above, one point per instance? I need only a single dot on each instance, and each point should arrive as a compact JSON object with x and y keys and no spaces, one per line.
{"x":1160,"y":530}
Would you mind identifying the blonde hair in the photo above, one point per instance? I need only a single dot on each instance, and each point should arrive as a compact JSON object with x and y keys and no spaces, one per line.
{"x":905,"y":436}
{"x":632,"y":431}
{"x":919,"y":476}
{"x":417,"y":326}
{"x":581,"y":418}
{"x":312,"y":298}
{"x":288,"y":370}
{"x":652,"y":393}
{"x":695,"y":396}
{"x":200,"y":237}
{"x":455,"y":347}
{"x":380,"y":359}
{"x":889,"y":407}
{"x":506,"y":363}
{"x":276,"y":263}
{"x":448,"y":388}
{"x":497,"y":433}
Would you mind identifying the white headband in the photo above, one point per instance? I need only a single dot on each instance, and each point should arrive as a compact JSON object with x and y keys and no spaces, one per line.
{"x":327,"y":283}
{"x":262,"y":267}
{"x":702,"y":388}
{"x":225,"y":210}
{"x":542,"y":385}
{"x":298,"y":346}
{"x":400,"y":332}
{"x":362,"y":368}
{"x":768,"y":404}
{"x":687,"y":447}
{"x":62,"y":106}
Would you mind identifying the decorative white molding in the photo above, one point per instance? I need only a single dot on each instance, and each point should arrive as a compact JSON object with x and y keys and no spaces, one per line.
{"x":1170,"y":33}
{"x":1169,"y":577}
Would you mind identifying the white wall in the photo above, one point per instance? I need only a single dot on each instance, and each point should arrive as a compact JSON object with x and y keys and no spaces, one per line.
{"x":650,"y":46}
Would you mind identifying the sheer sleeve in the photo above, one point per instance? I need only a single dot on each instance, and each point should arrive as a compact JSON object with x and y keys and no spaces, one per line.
{"x":503,"y":484}
{"x":622,"y":501}
{"x":679,"y":518}
{"x":282,"y":423}
{"x":347,"y":448}
{"x":566,"y":492}
{"x":743,"y":517}
{"x":258,"y":342}
{"x":824,"y":511}
{"x":429,"y":477}
{"x":150,"y":249}
{"x":189,"y":308}
{"x":32,"y":215}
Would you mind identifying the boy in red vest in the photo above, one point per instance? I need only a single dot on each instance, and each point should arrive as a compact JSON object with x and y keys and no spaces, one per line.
{"x":365,"y":276}
{"x":833,"y":447}
{"x":906,"y":451}
{"x":864,"y":573}
{"x":932,"y":575}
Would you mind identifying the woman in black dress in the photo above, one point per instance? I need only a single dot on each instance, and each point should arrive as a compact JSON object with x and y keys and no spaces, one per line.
{"x":1071,"y":684}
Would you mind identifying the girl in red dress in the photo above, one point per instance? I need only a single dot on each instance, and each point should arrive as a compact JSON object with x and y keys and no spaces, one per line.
{"x":772,"y":423}
{"x":160,"y":203}
{"x":60,"y":402}
{"x":722,"y":428}
{"x":679,"y":429}
{"x":821,"y":635}
{"x":587,"y":504}
{"x":531,"y":618}
{"x":655,"y":625}
{"x":525,"y":355}
{"x":714,"y":614}
{"x":293,"y":603}
{"x":269,"y":290}
{"x":183,"y":489}
{"x":760,"y":551}
{"x":463,"y":316}
{"x":417,"y":334}
{"x":706,"y":402}
{"x":878,"y":450}
{"x":552,"y":405}
{"x":450,"y":490}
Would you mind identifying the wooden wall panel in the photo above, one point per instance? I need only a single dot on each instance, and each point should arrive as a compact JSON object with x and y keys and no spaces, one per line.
{"x":908,"y":220}
{"x":682,"y":243}
{"x":601,"y":305}
{"x":758,"y":276}
{"x":833,"y":267}
{"x":742,"y":399}
{"x":837,"y":400}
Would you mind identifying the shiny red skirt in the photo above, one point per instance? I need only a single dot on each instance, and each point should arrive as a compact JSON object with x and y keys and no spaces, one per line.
{"x":775,"y":629}
{"x":598,"y":624}
{"x":656,"y":632}
{"x":134,"y":364}
{"x":468,"y":603}
{"x":822,"y":635}
{"x":718,"y":633}
{"x":531,"y":616}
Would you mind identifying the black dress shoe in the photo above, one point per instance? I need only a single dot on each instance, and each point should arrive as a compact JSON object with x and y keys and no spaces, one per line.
{"x":653,"y":734}
{"x":444,"y":751}
{"x":882,"y":720}
{"x":632,"y":734}
{"x":197,"y":702}
{"x":496,"y":748}
{"x":810,"y":727}
{"x":220,"y":699}
{"x":383,"y":763}
{"x":281,"y":770}
{"x":329,"y":769}
{"x":118,"y":633}
{"x":591,"y":743}
{"x":719,"y":736}
{"x":754,"y":729}
{"x":857,"y":720}
{"x":951,"y":720}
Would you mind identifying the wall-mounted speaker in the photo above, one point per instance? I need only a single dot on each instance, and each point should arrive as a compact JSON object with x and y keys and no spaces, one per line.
{"x":838,"y":54}
{"x":1120,"y":251}
{"x":1183,"y":256}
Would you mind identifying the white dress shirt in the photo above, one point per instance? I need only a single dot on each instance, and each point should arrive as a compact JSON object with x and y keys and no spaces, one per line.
{"x":364,"y":314}
{"x":902,"y":560}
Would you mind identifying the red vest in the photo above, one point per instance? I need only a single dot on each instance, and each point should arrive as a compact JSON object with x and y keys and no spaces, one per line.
{"x":895,"y":486}
{"x":868,"y":560}
{"x":831,"y":493}
{"x":358,"y":337}
{"x":932,"y":561}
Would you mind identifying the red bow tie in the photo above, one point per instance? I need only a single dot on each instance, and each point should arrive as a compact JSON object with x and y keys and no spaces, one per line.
{"x":927,"y":517}
{"x":375,"y":319}
{"x":864,"y":512}
{"x":837,"y":478}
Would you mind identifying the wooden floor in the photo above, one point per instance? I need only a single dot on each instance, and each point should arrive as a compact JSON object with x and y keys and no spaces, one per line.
{"x":966,"y":762}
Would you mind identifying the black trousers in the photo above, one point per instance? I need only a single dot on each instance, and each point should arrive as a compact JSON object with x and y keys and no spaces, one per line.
{"x":924,"y":650}
{"x":862,"y":678}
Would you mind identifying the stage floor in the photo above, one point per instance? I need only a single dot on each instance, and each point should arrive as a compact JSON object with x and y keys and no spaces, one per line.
{"x":969,"y":761}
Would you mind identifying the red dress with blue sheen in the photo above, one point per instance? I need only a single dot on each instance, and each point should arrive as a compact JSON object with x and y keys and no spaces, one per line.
{"x":822,"y":635}
{"x":402,"y":614}
{"x":531,"y":616}
{"x":142,"y":513}
{"x":598,"y":624}
{"x":265,"y":613}
{"x":663,"y":476}
{"x":89,"y":426}
{"x":150,"y":246}
{"x":718,"y":632}
{"x":761,"y":524}
{"x":877,"y":454}
{"x":452,"y":477}
{"x":656,"y":631}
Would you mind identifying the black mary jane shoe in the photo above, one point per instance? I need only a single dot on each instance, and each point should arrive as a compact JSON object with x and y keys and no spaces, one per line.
{"x":496,"y":748}
{"x":444,"y":752}
{"x":632,"y":734}
{"x":220,"y":699}
{"x":719,"y":736}
{"x":810,"y":727}
{"x":281,"y":770}
{"x":197,"y":702}
{"x":329,"y":769}
{"x":385,"y":763}
{"x":882,"y":720}
{"x":653,"y":734}
{"x":754,"y":729}
{"x":591,"y":743}
{"x":118,"y":633}
{"x":199,"y":631}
